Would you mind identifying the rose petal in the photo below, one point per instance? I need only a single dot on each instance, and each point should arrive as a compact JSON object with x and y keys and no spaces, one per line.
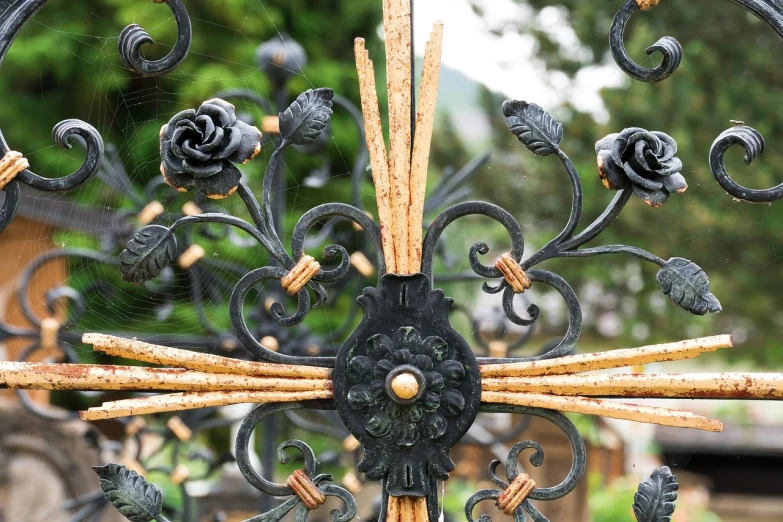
{"x":673,"y":166}
{"x":220,"y":185}
{"x":637,"y":179}
{"x":194,"y":153}
{"x":206,"y":127}
{"x":619,"y":146}
{"x":169,"y":128}
{"x":178,"y":180}
{"x":220,"y":110}
{"x":649,"y":138}
{"x":435,"y":426}
{"x":408,"y":338}
{"x":214,"y":143}
{"x":378,"y":425}
{"x":179,"y":136}
{"x":652,"y":160}
{"x":434,"y":347}
{"x":361,"y":368}
{"x":669,"y":148}
{"x":453,"y":373}
{"x":250,"y":145}
{"x":612,"y":176}
{"x":638,"y":161}
{"x":379,"y":346}
{"x":231,"y":141}
{"x":675,"y":183}
{"x":201,"y":169}
{"x":452,"y":403}
{"x":173,"y":163}
{"x":605,"y":143}
{"x":654,"y":198}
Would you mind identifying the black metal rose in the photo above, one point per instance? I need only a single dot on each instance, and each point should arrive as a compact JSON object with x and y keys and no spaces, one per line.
{"x":197,"y":149}
{"x":280,"y":58}
{"x":409,"y":379}
{"x":644,"y":160}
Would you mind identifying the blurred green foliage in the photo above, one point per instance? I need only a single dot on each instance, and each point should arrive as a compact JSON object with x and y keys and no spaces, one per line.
{"x":727,"y":73}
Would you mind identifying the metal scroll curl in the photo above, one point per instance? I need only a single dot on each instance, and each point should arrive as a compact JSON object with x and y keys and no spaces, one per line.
{"x":134,"y":37}
{"x":668,"y":46}
{"x":578,"y":465}
{"x":753,"y":142}
{"x":309,"y":469}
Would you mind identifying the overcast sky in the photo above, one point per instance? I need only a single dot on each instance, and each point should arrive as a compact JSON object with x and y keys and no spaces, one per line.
{"x":507,"y":64}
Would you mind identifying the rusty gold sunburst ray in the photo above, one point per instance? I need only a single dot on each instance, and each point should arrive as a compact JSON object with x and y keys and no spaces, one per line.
{"x":564,"y":384}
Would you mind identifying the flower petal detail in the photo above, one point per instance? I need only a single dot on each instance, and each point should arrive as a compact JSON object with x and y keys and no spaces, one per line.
{"x":173,"y":163}
{"x":605,"y":143}
{"x":362,"y":367}
{"x":452,"y":403}
{"x":434,"y":347}
{"x":221,"y":185}
{"x":637,"y":179}
{"x":202,"y":169}
{"x":383,"y":367}
{"x":435,"y":382}
{"x":612,"y":176}
{"x":453,"y":373}
{"x":231,"y":141}
{"x":413,"y":413}
{"x":183,"y":182}
{"x":206,"y":126}
{"x":435,"y":426}
{"x":168,"y":129}
{"x":249,"y":146}
{"x":219,"y":110}
{"x":654,"y":198}
{"x":379,"y":346}
{"x":360,"y":398}
{"x":409,"y":436}
{"x":675,"y":183}
{"x":430,"y":402}
{"x":408,"y":338}
{"x":422,"y":362}
{"x":402,"y":357}
{"x":378,"y":425}
{"x":216,"y":140}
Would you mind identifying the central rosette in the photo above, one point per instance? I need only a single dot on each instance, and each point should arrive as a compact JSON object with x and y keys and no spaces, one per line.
{"x":407,"y":385}
{"x":407,"y":379}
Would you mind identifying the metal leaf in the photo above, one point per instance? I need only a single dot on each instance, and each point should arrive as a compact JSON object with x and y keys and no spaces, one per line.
{"x":654,"y":501}
{"x":688,"y":286}
{"x":532,"y":125}
{"x":134,"y":497}
{"x":147,"y":254}
{"x":306,"y":117}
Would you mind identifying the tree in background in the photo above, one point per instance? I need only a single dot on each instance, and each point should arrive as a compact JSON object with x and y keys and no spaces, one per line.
{"x":727,"y":73}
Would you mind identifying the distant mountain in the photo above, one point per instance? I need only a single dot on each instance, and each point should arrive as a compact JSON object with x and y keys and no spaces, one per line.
{"x":458,"y":96}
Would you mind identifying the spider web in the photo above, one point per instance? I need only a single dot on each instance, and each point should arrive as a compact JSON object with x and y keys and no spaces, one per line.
{"x":621,"y":302}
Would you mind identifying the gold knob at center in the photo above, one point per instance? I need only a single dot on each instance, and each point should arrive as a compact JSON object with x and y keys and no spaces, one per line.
{"x":405,"y":386}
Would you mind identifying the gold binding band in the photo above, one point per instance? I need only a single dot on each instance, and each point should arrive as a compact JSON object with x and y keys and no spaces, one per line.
{"x":10,"y":166}
{"x":306,"y":490}
{"x":513,"y":273}
{"x":300,"y":275}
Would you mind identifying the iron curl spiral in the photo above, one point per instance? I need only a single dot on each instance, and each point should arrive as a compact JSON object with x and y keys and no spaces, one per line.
{"x":134,"y":37}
